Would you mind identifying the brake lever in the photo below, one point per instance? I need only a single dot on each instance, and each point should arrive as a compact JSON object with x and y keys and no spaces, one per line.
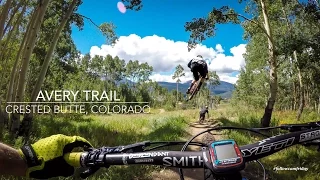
{"x":95,"y":159}
{"x":300,"y":127}
{"x":136,"y":147}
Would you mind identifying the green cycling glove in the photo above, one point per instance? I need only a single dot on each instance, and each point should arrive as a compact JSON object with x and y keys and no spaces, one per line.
{"x":45,"y":157}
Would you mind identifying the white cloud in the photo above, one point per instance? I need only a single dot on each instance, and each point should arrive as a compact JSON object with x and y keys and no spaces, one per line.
{"x":168,"y":78}
{"x":228,"y":64}
{"x":229,"y":79}
{"x":164,"y":55}
{"x":219,"y":48}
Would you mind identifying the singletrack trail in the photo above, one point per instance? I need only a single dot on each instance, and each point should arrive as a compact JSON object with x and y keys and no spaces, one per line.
{"x":189,"y":174}
{"x":198,"y":174}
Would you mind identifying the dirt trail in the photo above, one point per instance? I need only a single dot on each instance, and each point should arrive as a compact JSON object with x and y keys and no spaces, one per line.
{"x":189,"y":174}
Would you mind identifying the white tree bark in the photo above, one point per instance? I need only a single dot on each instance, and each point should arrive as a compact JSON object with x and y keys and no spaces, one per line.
{"x":31,"y":40}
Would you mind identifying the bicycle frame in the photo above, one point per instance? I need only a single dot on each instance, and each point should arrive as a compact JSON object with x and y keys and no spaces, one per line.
{"x":274,"y":144}
{"x":195,"y":88}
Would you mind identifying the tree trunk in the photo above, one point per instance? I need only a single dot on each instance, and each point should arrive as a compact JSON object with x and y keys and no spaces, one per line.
{"x":319,"y":105}
{"x":177,"y":91}
{"x":14,"y":11}
{"x":5,"y":43}
{"x":3,"y":17}
{"x":305,"y":90}
{"x":14,"y":83}
{"x":49,"y":54}
{"x":295,"y":61}
{"x":308,"y":95}
{"x":14,"y":69}
{"x":266,"y":119}
{"x":15,"y":117}
{"x":30,"y":44}
{"x":294,"y":96}
{"x":27,"y":121}
{"x":1,"y":123}
{"x":301,"y":105}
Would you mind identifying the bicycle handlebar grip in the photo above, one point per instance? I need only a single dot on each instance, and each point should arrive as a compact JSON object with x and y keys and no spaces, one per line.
{"x":73,"y":159}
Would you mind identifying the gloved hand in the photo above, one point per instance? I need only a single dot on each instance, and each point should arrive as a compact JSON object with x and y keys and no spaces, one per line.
{"x":45,"y":157}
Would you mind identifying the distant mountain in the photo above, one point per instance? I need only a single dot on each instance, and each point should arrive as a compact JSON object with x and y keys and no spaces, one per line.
{"x":225,"y":89}
{"x":226,"y":95}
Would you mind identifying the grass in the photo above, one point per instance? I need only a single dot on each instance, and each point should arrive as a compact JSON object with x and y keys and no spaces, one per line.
{"x":120,"y":129}
{"x":296,"y":156}
{"x":114,"y":130}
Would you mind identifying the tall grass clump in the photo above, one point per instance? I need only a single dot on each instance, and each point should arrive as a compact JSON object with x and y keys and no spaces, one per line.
{"x":113,"y":130}
{"x":296,"y":156}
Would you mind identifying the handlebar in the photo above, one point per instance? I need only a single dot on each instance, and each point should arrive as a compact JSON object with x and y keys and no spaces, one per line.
{"x":305,"y":134}
{"x":186,"y":159}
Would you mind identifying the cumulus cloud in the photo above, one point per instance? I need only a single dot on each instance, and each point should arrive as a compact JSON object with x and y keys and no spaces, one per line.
{"x":165,"y":54}
{"x":219,"y":48}
{"x":168,"y":78}
{"x":228,"y":64}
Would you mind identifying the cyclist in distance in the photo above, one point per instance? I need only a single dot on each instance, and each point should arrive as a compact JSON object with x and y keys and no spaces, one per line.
{"x":203,"y":112}
{"x":41,"y":160}
{"x":198,"y":65}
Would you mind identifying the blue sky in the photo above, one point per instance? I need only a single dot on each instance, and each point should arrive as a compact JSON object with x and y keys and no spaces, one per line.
{"x":164,"y":18}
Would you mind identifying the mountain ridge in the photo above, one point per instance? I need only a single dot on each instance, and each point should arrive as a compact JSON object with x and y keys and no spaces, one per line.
{"x":224,"y":89}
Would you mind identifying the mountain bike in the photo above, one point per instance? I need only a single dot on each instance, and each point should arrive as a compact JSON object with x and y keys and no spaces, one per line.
{"x":220,"y":159}
{"x":196,"y":87}
{"x":202,"y":119}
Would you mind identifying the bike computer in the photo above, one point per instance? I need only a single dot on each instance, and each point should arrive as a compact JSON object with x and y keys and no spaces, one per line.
{"x":225,"y":157}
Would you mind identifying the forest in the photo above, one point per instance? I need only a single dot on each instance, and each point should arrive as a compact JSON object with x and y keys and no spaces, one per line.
{"x":37,"y":52}
{"x":33,"y":61}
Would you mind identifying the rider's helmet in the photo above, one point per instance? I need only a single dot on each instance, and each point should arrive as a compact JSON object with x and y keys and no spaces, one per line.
{"x":199,"y":56}
{"x":206,"y":107}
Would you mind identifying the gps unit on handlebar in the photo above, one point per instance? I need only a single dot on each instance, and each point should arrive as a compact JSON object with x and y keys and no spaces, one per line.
{"x":225,"y":157}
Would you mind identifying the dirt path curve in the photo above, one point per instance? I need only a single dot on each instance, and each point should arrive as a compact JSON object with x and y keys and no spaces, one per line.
{"x":189,"y":174}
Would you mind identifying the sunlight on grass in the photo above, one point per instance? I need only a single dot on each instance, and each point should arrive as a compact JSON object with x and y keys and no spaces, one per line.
{"x":123,"y":129}
{"x":296,"y":156}
{"x":113,"y":130}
